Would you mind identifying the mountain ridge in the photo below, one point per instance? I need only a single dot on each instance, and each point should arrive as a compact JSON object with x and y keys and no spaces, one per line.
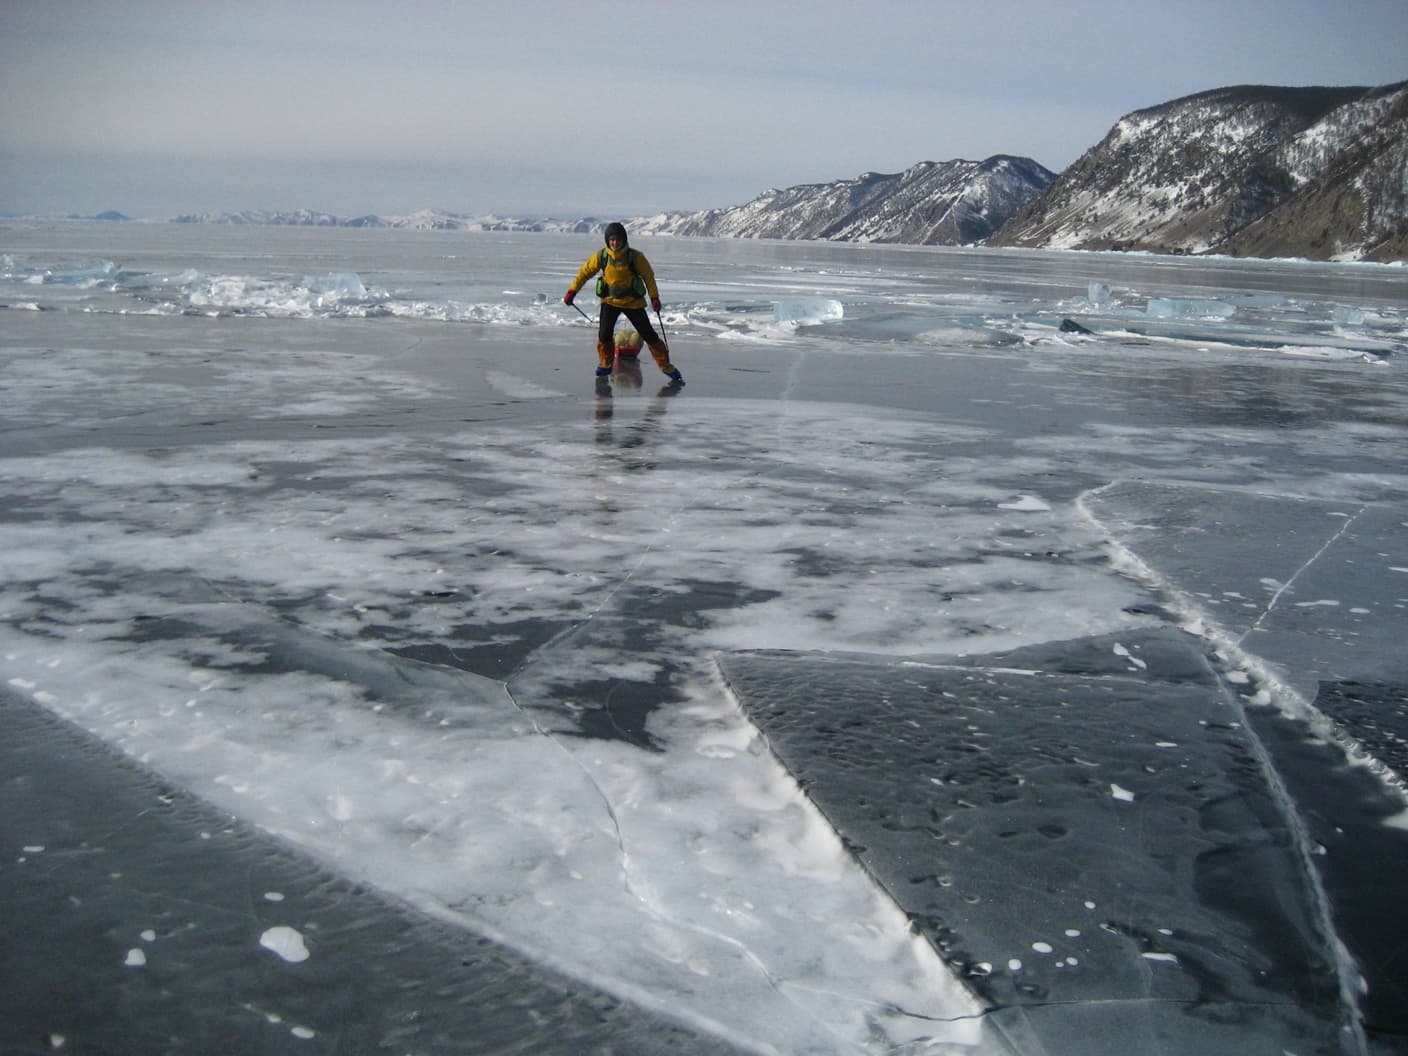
{"x":949,"y":203}
{"x":1255,"y":170}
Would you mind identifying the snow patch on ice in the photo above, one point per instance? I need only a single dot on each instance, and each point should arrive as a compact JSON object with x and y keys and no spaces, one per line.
{"x":286,"y":942}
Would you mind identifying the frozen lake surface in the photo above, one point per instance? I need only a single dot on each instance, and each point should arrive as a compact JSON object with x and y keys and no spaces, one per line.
{"x":984,"y":652}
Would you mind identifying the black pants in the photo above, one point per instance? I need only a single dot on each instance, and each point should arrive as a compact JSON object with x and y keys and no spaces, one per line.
{"x":607,"y":327}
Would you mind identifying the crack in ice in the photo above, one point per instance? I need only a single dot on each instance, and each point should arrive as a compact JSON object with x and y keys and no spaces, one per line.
{"x":1275,"y":598}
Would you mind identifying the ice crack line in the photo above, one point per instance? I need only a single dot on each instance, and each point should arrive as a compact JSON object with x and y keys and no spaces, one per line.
{"x":570,"y":631}
{"x":1303,"y":845}
{"x":1275,"y":598}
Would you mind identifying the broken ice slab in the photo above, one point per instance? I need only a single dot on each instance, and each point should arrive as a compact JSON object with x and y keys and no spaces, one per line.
{"x":85,"y":274}
{"x":335,"y":287}
{"x":1188,"y":308}
{"x":807,"y":310}
{"x":1084,"y":826}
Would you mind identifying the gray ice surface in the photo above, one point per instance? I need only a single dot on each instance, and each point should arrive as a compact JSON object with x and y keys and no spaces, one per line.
{"x":785,"y":712}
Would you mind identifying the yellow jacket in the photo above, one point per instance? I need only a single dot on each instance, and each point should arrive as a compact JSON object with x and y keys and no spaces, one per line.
{"x":619,"y":276}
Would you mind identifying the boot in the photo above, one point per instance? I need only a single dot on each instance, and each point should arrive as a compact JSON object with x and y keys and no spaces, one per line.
{"x":662,"y":356}
{"x":605,"y":356}
{"x":662,"y":359}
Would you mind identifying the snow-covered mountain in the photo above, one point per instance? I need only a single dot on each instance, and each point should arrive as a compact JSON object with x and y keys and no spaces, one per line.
{"x":425,"y":220}
{"x":931,"y":203}
{"x":1251,"y":170}
{"x":292,"y":218}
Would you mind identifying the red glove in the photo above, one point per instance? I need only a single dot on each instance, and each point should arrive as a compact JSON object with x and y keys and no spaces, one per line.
{"x":567,"y":297}
{"x":655,"y":303}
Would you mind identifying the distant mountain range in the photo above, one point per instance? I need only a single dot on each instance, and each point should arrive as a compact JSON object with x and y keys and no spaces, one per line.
{"x":425,"y":220}
{"x":1250,"y":170}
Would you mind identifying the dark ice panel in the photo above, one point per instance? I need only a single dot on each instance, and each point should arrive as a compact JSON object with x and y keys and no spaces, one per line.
{"x":1317,"y":589}
{"x":1099,"y":837}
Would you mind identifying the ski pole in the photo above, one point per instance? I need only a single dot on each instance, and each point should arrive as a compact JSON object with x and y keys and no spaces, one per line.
{"x":663,"y":336}
{"x":583,"y":314}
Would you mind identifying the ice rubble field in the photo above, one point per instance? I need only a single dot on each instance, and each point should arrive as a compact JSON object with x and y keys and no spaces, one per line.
{"x":923,"y":677}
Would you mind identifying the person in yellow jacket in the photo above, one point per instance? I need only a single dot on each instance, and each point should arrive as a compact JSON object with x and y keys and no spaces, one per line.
{"x":626,"y":278}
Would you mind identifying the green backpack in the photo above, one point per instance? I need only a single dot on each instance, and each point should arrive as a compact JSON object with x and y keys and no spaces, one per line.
{"x":637,"y":286}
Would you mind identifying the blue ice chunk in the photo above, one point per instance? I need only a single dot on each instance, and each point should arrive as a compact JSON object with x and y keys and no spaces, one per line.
{"x":88,"y":273}
{"x":807,"y":310}
{"x":1188,"y":308}
{"x":1099,"y":293}
{"x":336,"y":287}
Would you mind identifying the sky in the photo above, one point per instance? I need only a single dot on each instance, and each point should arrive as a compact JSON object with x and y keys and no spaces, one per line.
{"x":156,"y":108}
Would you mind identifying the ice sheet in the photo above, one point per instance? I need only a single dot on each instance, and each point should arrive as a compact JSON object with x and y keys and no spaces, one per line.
{"x":387,"y":576}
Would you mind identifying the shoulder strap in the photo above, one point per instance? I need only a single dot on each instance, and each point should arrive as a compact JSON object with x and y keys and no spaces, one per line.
{"x":603,"y":260}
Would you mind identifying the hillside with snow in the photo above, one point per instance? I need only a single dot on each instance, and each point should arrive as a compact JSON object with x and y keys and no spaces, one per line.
{"x":932,"y":203}
{"x":1252,"y":170}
